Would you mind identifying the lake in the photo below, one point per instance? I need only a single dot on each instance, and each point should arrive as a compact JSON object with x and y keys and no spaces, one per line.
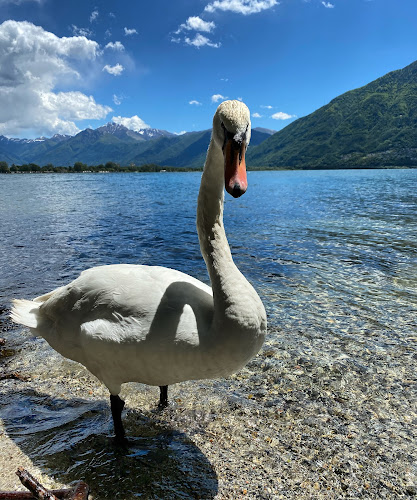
{"x":333,"y":255}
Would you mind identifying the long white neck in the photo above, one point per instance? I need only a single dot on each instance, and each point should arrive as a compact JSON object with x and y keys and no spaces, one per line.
{"x":231,"y":291}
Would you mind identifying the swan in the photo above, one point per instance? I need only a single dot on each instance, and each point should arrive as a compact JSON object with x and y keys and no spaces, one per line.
{"x":159,"y":326}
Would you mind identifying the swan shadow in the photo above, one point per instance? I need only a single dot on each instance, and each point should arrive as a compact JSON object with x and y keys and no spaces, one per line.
{"x":70,"y":439}
{"x":171,"y":307}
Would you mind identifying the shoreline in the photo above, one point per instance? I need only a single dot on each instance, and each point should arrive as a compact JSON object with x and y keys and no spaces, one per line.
{"x":125,"y":170}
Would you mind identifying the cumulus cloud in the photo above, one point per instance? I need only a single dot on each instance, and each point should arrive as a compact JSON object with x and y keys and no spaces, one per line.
{"x":33,"y":62}
{"x":217,"y":98}
{"x":200,"y":41}
{"x":197,"y":24}
{"x":133,"y":123}
{"x":328,"y":5}
{"x":115,"y":46}
{"x":267,"y":106}
{"x":282,"y":116}
{"x":115,"y":70}
{"x":93,"y":16}
{"x":130,"y":31}
{"x":244,"y":7}
{"x":64,"y":103}
{"x":195,"y":103}
{"x":256,"y":115}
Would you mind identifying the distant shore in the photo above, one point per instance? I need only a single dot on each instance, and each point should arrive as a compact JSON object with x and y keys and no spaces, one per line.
{"x":157,"y":168}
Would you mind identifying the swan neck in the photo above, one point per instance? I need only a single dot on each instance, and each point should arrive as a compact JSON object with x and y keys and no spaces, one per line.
{"x":213,"y":241}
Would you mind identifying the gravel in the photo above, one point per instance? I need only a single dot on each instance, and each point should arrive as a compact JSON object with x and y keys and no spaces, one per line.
{"x":312,"y":416}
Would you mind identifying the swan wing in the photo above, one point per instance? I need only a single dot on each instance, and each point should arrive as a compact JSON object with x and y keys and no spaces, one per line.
{"x":113,"y":313}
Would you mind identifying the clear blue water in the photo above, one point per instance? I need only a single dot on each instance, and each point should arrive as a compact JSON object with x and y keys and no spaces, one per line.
{"x":339,"y":243}
{"x":333,"y":255}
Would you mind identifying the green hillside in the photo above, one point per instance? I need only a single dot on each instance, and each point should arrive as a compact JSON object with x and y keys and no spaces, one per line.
{"x":373,"y":126}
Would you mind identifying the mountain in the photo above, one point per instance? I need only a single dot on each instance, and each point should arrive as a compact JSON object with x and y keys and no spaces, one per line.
{"x":259,"y":134}
{"x":372,"y":126}
{"x":114,"y":142}
{"x":123,"y":133}
{"x":23,"y":150}
{"x":375,"y":125}
{"x":267,"y":131}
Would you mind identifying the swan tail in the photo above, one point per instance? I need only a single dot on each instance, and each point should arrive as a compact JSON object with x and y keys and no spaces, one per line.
{"x":25,"y":312}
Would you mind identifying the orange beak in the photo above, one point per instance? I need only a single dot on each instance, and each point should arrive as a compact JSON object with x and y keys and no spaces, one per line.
{"x":235,"y":179}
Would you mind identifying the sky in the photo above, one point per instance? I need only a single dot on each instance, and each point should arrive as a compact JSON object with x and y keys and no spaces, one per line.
{"x":167,"y":64}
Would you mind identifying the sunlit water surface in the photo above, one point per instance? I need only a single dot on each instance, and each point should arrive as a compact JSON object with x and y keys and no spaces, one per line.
{"x":333,"y":255}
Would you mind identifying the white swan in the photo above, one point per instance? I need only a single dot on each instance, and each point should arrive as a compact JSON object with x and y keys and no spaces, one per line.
{"x":158,"y":326}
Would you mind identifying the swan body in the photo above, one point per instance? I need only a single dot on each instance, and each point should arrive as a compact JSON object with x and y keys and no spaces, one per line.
{"x":159,"y":326}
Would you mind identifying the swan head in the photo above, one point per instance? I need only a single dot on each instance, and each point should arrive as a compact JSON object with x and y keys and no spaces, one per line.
{"x":231,"y":132}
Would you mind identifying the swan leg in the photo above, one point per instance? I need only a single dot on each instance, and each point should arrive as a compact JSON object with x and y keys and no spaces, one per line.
{"x":163,"y":397}
{"x":117,"y":406}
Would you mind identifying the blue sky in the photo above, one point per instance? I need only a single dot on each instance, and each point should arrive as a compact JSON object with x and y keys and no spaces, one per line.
{"x":66,"y":66}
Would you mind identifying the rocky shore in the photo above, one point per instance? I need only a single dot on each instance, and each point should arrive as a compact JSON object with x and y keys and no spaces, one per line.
{"x":309,"y":417}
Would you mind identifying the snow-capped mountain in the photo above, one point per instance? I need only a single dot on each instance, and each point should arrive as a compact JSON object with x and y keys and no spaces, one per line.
{"x":122,"y":132}
{"x":113,"y":142}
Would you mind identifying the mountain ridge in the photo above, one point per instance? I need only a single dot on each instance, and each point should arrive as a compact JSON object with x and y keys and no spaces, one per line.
{"x":115,"y":143}
{"x":372,"y":126}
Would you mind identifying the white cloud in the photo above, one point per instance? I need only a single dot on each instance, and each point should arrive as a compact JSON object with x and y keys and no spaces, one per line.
{"x":81,"y":31}
{"x":73,"y":105}
{"x":130,"y":31}
{"x":33,"y":62}
{"x":328,"y":5}
{"x":200,"y":41}
{"x":267,"y":107}
{"x":217,"y":98}
{"x":115,"y":70}
{"x":133,"y":123}
{"x":93,"y":16}
{"x":117,"y":99}
{"x":195,"y":103}
{"x":244,"y":7}
{"x":256,"y":115}
{"x":197,"y":24}
{"x":115,"y":46}
{"x":282,"y":116}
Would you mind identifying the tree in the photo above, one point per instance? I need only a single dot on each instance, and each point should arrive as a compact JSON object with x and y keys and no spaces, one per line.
{"x":110,"y":165}
{"x":79,"y":166}
{"x":4,"y":168}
